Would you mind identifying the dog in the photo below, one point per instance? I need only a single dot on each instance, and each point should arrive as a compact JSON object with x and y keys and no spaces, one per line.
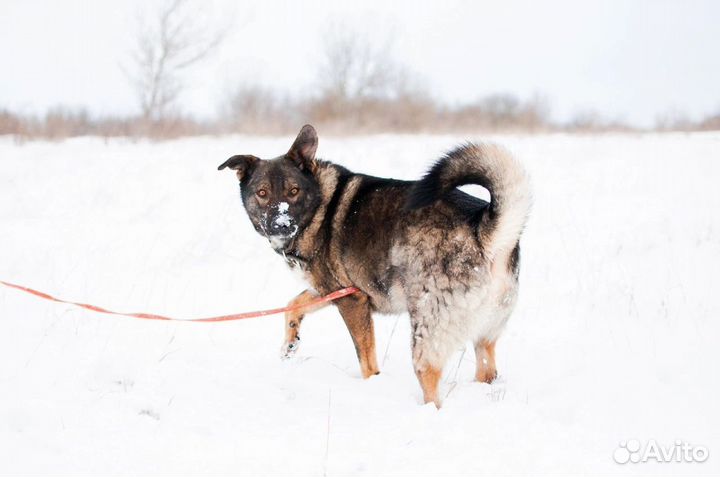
{"x":448,"y":259}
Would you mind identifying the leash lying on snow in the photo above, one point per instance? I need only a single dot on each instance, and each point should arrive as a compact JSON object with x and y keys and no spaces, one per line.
{"x":149,"y":316}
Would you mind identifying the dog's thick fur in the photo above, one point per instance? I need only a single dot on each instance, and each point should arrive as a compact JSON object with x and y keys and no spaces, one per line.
{"x":447,"y":258}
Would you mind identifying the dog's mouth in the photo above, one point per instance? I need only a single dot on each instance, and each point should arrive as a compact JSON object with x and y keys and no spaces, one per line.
{"x":279,"y":240}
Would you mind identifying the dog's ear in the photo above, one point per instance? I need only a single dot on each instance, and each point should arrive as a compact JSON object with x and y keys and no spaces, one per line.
{"x":242,"y":164}
{"x":302,"y":152}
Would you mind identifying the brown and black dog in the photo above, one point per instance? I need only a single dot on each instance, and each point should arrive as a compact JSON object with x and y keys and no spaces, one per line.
{"x":424,"y":247}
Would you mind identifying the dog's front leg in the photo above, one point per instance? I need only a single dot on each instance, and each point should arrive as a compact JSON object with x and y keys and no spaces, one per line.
{"x":355,"y":310}
{"x":293,"y":319}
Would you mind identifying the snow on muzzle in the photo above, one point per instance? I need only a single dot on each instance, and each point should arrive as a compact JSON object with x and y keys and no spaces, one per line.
{"x":280,"y":222}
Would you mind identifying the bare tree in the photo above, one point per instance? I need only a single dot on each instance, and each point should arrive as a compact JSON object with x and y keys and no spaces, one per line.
{"x":166,"y":46}
{"x":353,"y":68}
{"x":362,"y":85}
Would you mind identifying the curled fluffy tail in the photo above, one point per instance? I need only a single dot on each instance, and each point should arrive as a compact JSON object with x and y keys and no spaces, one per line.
{"x":495,"y":169}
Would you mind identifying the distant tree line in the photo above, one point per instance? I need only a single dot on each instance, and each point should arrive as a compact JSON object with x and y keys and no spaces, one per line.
{"x":360,"y":88}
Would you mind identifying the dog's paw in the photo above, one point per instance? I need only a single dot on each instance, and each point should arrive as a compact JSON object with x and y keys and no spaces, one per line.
{"x":486,"y":376}
{"x":289,"y":348}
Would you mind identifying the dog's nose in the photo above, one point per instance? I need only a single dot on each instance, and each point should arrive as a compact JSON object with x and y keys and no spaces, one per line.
{"x":280,"y":228}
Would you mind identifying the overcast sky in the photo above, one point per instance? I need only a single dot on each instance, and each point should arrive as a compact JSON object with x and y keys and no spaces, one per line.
{"x":630,"y":60}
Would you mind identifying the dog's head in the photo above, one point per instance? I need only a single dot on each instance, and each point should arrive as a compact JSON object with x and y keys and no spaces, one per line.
{"x":280,"y":195}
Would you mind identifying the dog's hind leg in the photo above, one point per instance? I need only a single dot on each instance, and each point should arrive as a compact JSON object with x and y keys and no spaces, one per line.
{"x":429,"y":378}
{"x":485,"y":370}
{"x":432,"y":341}
{"x":428,"y":361}
{"x":293,"y":319}
{"x":355,"y":310}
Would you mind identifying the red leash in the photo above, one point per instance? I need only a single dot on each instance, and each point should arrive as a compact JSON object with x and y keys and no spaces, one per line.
{"x":149,"y":316}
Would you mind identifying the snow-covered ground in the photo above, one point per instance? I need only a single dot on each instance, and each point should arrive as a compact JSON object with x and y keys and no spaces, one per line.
{"x":615,"y":336}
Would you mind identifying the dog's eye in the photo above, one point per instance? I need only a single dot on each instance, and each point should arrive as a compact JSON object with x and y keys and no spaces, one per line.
{"x":261,"y":193}
{"x":294,"y":191}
